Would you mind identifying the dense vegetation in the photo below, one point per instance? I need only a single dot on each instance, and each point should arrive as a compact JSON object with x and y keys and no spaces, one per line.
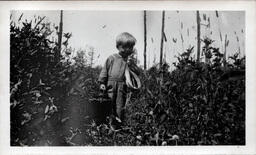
{"x":198,"y":103}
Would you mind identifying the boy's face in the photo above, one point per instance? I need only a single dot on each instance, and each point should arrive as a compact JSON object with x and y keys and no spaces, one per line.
{"x":125,"y":50}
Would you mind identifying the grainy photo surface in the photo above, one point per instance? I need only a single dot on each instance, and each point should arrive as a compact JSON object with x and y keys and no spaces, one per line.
{"x":127,"y":78}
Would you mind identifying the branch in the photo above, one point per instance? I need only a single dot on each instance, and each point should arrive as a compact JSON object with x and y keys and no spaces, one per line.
{"x":39,"y":22}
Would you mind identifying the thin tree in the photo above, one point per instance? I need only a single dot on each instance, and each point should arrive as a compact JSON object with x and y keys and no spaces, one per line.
{"x":198,"y":35}
{"x":162,"y":39}
{"x":225,"y":50}
{"x":91,"y":54}
{"x":161,"y":53}
{"x":145,"y":40}
{"x":57,"y":58}
{"x":60,"y":35}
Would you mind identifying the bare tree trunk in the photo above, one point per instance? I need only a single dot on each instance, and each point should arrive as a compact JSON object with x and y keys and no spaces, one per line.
{"x":91,"y":59}
{"x":145,"y":40}
{"x":162,"y":39}
{"x":198,"y":35}
{"x":225,"y":51}
{"x":161,"y":54}
{"x":57,"y":59}
{"x":60,"y":35}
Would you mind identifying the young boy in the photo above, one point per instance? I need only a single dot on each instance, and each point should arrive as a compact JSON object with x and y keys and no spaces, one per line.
{"x":112,"y":75}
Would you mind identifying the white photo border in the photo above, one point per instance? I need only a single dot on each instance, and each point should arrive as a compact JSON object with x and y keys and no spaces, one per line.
{"x":250,"y":45}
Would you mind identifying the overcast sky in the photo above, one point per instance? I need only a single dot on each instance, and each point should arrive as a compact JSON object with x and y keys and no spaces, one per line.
{"x":100,"y":28}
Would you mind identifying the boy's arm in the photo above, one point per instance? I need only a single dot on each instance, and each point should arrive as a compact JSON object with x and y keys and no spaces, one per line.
{"x":103,"y":77}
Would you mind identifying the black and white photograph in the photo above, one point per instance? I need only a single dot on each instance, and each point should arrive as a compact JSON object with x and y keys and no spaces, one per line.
{"x":155,"y":78}
{"x":127,"y":78}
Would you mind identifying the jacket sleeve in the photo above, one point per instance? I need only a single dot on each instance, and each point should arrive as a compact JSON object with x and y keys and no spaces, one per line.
{"x":103,"y":77}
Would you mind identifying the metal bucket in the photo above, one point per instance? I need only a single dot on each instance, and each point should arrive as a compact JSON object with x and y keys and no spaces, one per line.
{"x":99,"y":108}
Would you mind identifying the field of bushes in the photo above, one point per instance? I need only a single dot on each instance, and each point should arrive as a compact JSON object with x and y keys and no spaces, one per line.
{"x":198,"y":103}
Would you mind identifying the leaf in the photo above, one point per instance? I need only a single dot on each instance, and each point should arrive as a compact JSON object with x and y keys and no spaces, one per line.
{"x":15,"y":87}
{"x":38,"y":102}
{"x":51,"y":99}
{"x":53,"y":109}
{"x":164,"y":143}
{"x":227,"y":43}
{"x":163,"y":117}
{"x":46,"y":109}
{"x":217,"y":135}
{"x":15,"y":103}
{"x":67,"y":35}
{"x":150,"y":93}
{"x":20,"y":17}
{"x":165,"y":39}
{"x":181,"y":36}
{"x":200,"y":142}
{"x":65,"y":119}
{"x":157,"y":137}
{"x":41,"y":83}
{"x":220,"y":36}
{"x":118,"y":119}
{"x":174,"y":40}
{"x":48,"y":88}
{"x":217,"y":14}
{"x":214,"y":142}
{"x":27,"y":117}
{"x":175,"y":137}
{"x":139,"y":137}
{"x":151,"y":112}
{"x":190,"y":105}
{"x":38,"y":94}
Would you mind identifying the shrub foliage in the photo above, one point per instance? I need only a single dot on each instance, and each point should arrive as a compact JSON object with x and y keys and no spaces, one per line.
{"x":198,"y":103}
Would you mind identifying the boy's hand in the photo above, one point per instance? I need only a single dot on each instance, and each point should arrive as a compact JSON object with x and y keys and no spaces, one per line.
{"x":102,"y":87}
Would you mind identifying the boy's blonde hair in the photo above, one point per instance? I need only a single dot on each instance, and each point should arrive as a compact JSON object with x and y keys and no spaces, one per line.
{"x":125,"y":38}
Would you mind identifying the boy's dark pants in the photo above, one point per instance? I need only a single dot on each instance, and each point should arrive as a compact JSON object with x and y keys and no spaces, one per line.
{"x":117,"y":93}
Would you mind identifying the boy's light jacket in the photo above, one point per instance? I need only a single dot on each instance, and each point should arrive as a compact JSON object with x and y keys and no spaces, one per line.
{"x":113,"y":69}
